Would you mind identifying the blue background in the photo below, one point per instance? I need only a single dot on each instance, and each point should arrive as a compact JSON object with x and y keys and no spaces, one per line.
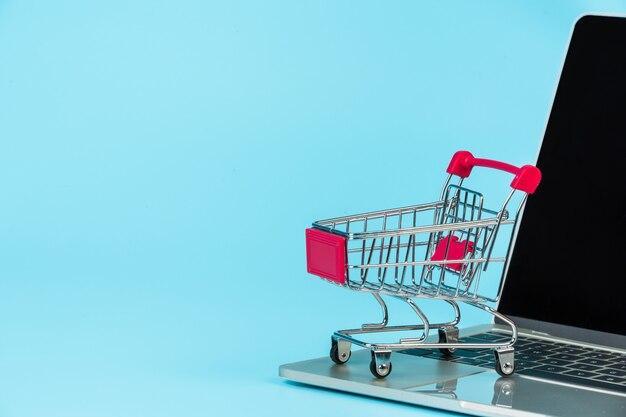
{"x":160,"y":160}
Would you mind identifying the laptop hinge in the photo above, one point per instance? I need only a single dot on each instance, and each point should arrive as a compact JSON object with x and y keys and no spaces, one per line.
{"x":544,"y":328}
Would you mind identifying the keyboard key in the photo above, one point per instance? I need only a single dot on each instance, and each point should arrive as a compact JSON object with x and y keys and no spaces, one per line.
{"x":598,"y":355}
{"x":539,"y":346}
{"x":547,"y":346}
{"x":527,"y":357}
{"x":536,"y":349}
{"x":612,"y":372}
{"x":552,"y":369}
{"x":583,"y":367}
{"x":536,"y":352}
{"x":568,"y":350}
{"x":580,"y":374}
{"x":552,"y":361}
{"x":611,"y":379}
{"x":564,"y":357}
{"x":618,"y":366}
{"x":597,"y":362}
{"x":520,"y":365}
{"x":586,"y":349}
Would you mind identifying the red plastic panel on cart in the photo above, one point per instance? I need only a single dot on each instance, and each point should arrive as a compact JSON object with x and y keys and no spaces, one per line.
{"x":455,"y":249}
{"x":326,"y":255}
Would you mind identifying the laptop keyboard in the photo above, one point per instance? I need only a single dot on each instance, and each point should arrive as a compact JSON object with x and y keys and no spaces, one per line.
{"x":545,"y":359}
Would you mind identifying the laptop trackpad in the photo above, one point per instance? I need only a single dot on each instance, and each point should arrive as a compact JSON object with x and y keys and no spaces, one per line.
{"x":408,"y":371}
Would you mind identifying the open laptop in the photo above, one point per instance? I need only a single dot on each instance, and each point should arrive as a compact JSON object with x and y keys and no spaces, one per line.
{"x":565,"y":286}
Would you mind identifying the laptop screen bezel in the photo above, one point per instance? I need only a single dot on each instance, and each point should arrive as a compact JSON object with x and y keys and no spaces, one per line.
{"x":544,"y":327}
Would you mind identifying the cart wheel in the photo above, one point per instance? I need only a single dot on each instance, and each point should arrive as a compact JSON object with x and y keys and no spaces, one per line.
{"x":505,"y":361}
{"x":449,"y":334}
{"x":382,"y":367}
{"x":340,"y":356}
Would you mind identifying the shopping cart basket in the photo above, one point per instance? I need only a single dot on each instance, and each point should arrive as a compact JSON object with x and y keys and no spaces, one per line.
{"x":436,"y":250}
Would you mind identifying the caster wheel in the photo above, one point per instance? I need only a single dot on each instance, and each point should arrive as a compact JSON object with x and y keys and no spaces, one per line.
{"x":339,"y":357}
{"x":448,"y":335}
{"x":505,"y":367}
{"x":382,"y":370}
{"x":447,"y":352}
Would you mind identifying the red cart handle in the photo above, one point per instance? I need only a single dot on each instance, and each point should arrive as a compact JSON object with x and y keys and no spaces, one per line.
{"x":527,"y":177}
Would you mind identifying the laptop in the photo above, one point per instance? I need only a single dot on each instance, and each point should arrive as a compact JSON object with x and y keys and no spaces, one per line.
{"x":564,"y":285}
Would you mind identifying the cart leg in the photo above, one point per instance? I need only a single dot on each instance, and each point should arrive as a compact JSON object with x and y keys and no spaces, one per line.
{"x":505,"y":360}
{"x":457,"y":312}
{"x":424,"y":320}
{"x":380,"y":366}
{"x":448,"y":334}
{"x":385,"y":312}
{"x":340,"y":350}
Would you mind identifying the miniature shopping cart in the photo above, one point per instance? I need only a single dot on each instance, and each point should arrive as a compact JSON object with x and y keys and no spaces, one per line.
{"x":436,"y":250}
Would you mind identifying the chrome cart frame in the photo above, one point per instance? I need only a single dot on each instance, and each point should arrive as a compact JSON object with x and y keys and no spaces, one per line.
{"x":436,"y":250}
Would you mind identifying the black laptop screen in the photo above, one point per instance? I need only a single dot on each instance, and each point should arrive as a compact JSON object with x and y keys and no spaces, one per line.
{"x":569,"y":261}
